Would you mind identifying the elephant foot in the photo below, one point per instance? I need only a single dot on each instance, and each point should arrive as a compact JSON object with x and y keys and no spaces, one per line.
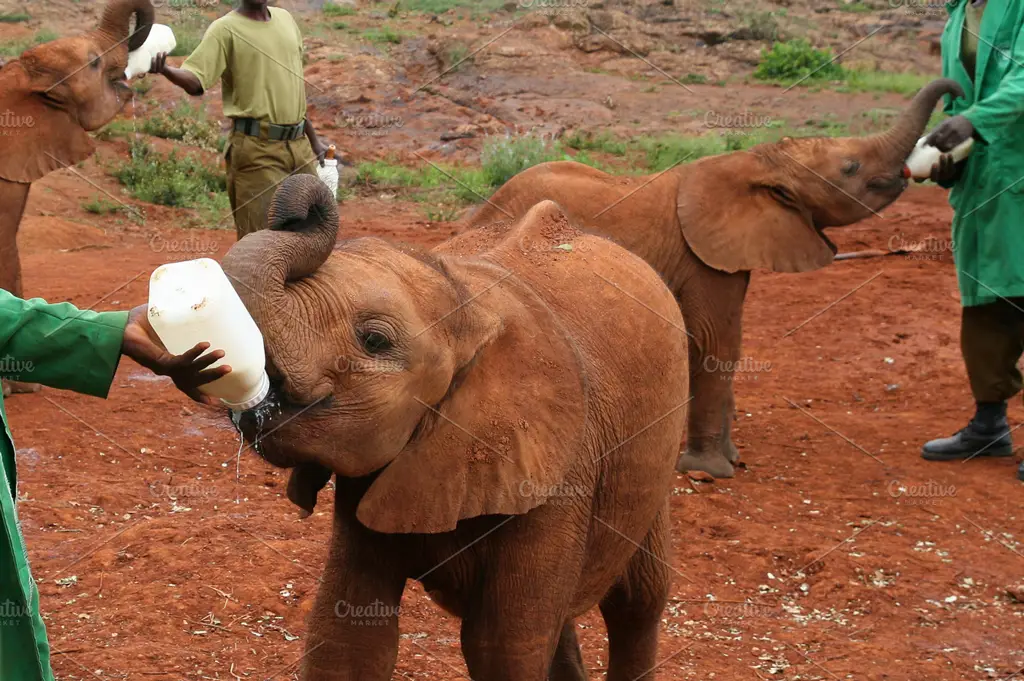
{"x":712,"y":463}
{"x":731,"y":453}
{"x":16,"y":387}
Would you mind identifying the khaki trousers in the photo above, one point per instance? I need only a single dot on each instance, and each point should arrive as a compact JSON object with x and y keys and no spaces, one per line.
{"x":992,"y":340}
{"x":255,"y":167}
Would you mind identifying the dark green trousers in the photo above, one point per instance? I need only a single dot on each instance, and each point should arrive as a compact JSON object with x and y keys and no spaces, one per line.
{"x":992,"y":340}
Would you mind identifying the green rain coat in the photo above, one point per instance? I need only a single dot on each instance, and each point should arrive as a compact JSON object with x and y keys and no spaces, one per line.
{"x":61,"y":347}
{"x":988,"y":200}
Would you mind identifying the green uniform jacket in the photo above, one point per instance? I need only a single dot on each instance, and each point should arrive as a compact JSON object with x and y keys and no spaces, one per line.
{"x":61,"y":347}
{"x":988,"y":227}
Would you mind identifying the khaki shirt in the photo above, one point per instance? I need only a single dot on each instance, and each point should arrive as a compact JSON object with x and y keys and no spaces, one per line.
{"x":259,"y":63}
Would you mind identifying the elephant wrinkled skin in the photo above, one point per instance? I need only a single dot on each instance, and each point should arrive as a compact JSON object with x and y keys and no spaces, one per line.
{"x":705,"y":225}
{"x":502,"y":420}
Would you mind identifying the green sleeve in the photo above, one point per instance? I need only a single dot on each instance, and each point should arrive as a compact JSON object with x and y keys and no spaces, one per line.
{"x":209,"y":60}
{"x":1003,"y":107}
{"x":59,"y":345}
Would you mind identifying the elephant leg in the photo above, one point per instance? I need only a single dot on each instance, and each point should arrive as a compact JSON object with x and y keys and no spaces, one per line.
{"x":712,"y":306}
{"x":13,"y":196}
{"x":521,"y":605}
{"x":568,"y":662}
{"x":632,"y":608}
{"x":353,"y":628}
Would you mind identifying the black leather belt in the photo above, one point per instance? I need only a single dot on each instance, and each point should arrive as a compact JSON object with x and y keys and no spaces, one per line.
{"x":252,"y":126}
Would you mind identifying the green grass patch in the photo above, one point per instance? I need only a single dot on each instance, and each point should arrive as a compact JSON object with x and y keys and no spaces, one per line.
{"x":332,"y":10}
{"x":14,"y":48}
{"x":187,"y":123}
{"x":604,"y":142}
{"x":883,"y":81}
{"x":13,"y":17}
{"x":116,"y":128}
{"x":858,"y":7}
{"x":188,"y":32}
{"x":176,"y":181}
{"x":384,"y":34}
{"x":142,"y":86}
{"x":442,"y":6}
{"x":796,"y":61}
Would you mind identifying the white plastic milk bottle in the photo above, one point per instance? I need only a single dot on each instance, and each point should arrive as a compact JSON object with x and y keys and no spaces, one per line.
{"x":329,"y":172}
{"x":161,"y":39}
{"x":925,"y":156}
{"x":193,"y":301}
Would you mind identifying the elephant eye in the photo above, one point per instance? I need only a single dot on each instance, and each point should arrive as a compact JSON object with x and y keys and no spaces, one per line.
{"x":375,"y":342}
{"x":851,"y":168}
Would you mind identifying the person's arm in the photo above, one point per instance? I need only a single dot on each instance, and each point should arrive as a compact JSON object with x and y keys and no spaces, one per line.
{"x":61,"y":346}
{"x":989,"y":117}
{"x":203,"y":68}
{"x":186,"y":80}
{"x":319,"y":148}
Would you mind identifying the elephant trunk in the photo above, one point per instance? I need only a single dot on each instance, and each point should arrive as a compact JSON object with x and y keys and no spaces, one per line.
{"x":899,"y":141}
{"x":302,"y":230}
{"x":115,"y":23}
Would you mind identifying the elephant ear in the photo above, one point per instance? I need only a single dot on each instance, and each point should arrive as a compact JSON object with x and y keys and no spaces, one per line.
{"x":735,"y":219}
{"x":511,"y":426}
{"x":40,"y":138}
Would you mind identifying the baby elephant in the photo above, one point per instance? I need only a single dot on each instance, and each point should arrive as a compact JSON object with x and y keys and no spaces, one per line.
{"x":502,"y":415}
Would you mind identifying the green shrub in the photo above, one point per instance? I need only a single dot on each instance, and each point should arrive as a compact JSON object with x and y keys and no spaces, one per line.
{"x":587,"y":141}
{"x":504,"y":157}
{"x":795,"y":60}
{"x":173,"y":181}
{"x":187,"y":123}
{"x":13,"y":17}
{"x":332,"y":10}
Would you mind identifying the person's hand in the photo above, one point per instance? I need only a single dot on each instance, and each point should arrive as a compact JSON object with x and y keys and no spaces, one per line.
{"x":945,"y":172}
{"x":320,"y":150}
{"x":950,"y":133}
{"x":159,"y":63}
{"x":188,"y":370}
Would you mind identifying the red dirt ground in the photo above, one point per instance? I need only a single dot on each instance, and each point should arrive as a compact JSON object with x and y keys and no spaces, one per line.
{"x":156,"y":564}
{"x":818,"y":567}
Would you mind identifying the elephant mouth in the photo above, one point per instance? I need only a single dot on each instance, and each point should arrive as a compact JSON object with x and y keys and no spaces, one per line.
{"x":828,"y":242}
{"x":894,"y":184}
{"x":269,"y":428}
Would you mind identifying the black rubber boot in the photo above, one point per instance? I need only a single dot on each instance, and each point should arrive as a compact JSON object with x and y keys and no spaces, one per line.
{"x":987,"y":434}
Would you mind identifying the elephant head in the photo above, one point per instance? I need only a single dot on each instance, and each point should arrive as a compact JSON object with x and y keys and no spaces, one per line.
{"x":766,"y":207}
{"x":55,"y":92}
{"x":392,"y":362}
